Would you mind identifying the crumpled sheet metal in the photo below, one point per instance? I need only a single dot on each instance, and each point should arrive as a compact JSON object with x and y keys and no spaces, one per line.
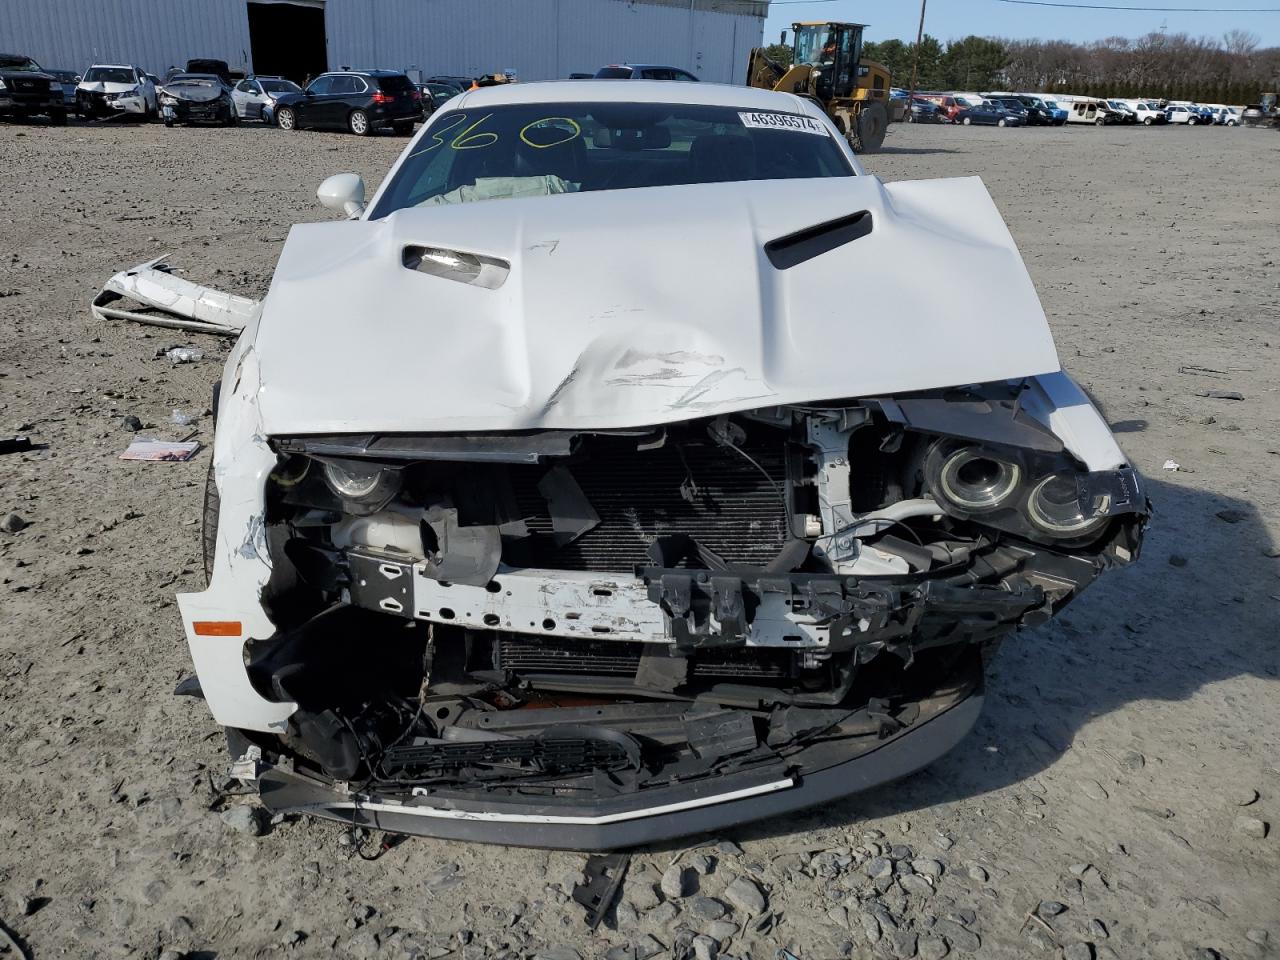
{"x":173,"y":301}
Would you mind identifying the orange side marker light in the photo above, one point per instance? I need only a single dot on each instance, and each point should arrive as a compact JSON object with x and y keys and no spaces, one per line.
{"x":217,"y":628}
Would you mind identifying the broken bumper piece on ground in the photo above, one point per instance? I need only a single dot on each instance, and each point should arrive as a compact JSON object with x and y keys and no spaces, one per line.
{"x":165,"y":300}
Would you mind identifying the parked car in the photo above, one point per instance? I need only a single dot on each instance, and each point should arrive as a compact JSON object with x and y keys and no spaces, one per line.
{"x":1183,"y":113}
{"x":1014,"y":105}
{"x":255,"y":97}
{"x":1038,"y":113}
{"x":948,"y":104}
{"x":435,"y":95}
{"x":992,"y":113}
{"x":116,"y":90}
{"x":730,"y":595}
{"x":458,"y":83}
{"x":926,"y":111}
{"x":1127,"y":113}
{"x":219,"y":68}
{"x":196,"y":98}
{"x":1056,"y":111}
{"x":1227,"y":116}
{"x":1093,"y":111}
{"x":358,"y":101}
{"x":27,"y":91}
{"x":642,"y":71}
{"x":1147,"y":113}
{"x":68,"y":80}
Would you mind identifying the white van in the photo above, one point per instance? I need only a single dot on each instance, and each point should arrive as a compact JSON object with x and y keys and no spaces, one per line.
{"x":1148,"y":112}
{"x":1091,"y":111}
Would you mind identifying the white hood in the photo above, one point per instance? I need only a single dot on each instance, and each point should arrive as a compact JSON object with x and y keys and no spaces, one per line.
{"x":105,"y":86}
{"x":635,"y":307}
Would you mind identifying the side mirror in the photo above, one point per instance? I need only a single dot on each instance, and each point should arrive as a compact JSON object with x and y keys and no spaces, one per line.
{"x":344,"y":193}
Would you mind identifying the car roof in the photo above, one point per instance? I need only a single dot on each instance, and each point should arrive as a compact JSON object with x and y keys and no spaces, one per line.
{"x":363,"y":73}
{"x":111,"y":66}
{"x":639,"y":91}
{"x":647,"y":66}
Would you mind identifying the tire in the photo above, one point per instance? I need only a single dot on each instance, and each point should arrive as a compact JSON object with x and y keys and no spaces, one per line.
{"x":209,"y":524}
{"x":58,"y":118}
{"x":1192,"y":122}
{"x":403,"y":129}
{"x":1001,"y":123}
{"x":1099,"y":122}
{"x":358,"y":123}
{"x":967,"y":121}
{"x":1148,"y":121}
{"x":873,"y":123}
{"x":168,"y":122}
{"x":286,"y":118}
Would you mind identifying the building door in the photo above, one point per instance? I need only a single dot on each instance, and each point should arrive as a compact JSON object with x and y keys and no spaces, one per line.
{"x":286,"y":38}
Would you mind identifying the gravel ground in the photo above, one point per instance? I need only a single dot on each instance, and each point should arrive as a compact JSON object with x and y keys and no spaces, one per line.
{"x":1119,"y":798}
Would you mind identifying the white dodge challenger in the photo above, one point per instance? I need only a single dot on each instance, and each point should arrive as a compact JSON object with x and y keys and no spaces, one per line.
{"x":615,"y":475}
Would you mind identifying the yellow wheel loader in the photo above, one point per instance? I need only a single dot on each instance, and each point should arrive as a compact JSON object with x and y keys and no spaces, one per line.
{"x":827,"y":67}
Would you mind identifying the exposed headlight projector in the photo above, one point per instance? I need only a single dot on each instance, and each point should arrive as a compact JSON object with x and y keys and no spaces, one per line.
{"x":364,"y":485}
{"x":1062,"y":506}
{"x":977,"y":481}
{"x":1044,"y":498}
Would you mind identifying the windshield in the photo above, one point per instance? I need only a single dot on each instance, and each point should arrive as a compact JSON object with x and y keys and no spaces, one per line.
{"x":279,"y":86}
{"x":21,"y":64}
{"x":543,"y":149}
{"x":109,"y":75}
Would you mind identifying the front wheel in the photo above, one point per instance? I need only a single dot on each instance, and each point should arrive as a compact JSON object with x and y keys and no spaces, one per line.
{"x":286,"y":119}
{"x":358,"y":123}
{"x":58,"y":118}
{"x":1148,"y":121}
{"x":1192,"y":122}
{"x":1000,"y":123}
{"x":1099,"y":122}
{"x":967,"y":121}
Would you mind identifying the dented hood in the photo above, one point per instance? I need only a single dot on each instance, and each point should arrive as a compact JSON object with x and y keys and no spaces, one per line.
{"x":635,"y":307}
{"x":107,"y":86}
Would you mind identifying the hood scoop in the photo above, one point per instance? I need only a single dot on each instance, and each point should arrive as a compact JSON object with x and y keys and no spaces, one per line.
{"x":804,"y":245}
{"x":473,"y":268}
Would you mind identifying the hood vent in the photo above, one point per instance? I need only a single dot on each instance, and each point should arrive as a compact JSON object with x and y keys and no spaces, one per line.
{"x":472,"y":268}
{"x":814,"y":241}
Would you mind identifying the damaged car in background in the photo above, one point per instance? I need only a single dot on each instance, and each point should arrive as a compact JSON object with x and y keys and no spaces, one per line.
{"x":610,"y":476}
{"x":115,"y":90}
{"x":196,"y":98}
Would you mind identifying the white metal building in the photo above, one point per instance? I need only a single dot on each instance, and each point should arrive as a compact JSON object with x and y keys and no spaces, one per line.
{"x":540,"y":39}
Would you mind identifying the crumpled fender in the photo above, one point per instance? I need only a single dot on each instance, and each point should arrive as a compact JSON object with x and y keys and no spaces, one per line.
{"x":242,"y":564}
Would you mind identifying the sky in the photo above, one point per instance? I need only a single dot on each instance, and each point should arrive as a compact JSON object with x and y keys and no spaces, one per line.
{"x":953,"y":19}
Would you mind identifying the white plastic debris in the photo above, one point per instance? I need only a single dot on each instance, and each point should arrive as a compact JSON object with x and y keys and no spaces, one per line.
{"x":1172,"y":465}
{"x":170,"y":301}
{"x":182,"y":419}
{"x":184,"y":355}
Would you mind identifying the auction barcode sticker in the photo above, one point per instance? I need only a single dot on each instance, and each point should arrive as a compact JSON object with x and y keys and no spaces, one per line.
{"x":782,"y":121}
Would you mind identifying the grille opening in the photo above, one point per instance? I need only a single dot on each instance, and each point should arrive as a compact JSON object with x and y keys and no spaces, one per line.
{"x":688,"y":488}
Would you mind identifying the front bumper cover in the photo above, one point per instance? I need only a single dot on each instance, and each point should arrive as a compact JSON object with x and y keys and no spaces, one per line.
{"x":610,"y":823}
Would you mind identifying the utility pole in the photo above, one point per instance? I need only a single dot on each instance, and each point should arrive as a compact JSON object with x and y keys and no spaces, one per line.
{"x":915,"y":60}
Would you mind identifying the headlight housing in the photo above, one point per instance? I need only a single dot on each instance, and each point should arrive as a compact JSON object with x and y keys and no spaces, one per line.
{"x":363,"y":485}
{"x":168,"y":99}
{"x":1041,"y":496}
{"x":975,"y":480}
{"x":1062,"y":505}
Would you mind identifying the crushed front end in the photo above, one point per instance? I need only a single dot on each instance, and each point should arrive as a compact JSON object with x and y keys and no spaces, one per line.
{"x":593,"y":639}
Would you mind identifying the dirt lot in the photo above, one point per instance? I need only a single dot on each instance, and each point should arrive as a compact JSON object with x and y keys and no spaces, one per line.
{"x":1127,"y":763}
